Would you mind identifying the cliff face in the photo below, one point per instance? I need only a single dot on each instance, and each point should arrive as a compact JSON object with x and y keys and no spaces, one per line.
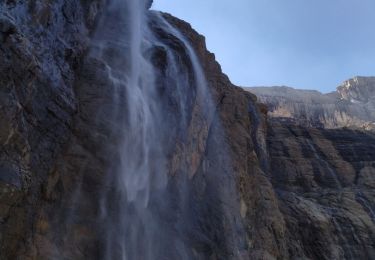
{"x":352,"y":105}
{"x":40,"y":43}
{"x":324,"y":180}
{"x":324,"y":185}
{"x":59,"y":142}
{"x":323,"y":174}
{"x":358,"y":90}
{"x":237,"y":188}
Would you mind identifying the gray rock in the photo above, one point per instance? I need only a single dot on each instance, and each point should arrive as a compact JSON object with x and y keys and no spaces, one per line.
{"x":10,"y":176}
{"x":288,"y":192}
{"x":352,"y":105}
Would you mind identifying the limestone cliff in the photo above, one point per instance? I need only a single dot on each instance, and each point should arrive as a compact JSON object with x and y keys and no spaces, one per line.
{"x":321,"y":165}
{"x":358,"y":90}
{"x":58,"y":143}
{"x":238,"y":188}
{"x":324,"y":180}
{"x":352,"y":105}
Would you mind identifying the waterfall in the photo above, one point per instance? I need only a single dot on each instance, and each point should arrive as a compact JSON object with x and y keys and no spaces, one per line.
{"x":332,"y":175}
{"x":161,"y":113}
{"x":165,"y":188}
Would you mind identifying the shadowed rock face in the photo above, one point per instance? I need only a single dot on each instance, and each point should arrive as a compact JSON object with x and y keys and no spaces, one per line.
{"x":324,"y":180}
{"x":58,"y":142}
{"x":352,"y":105}
{"x":294,"y":192}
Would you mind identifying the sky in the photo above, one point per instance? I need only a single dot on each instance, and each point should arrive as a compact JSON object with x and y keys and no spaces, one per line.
{"x":307,"y":44}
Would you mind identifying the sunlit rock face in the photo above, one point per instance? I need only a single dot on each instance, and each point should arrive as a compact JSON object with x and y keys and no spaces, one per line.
{"x":321,"y":164}
{"x":352,"y":105}
{"x":358,"y":90}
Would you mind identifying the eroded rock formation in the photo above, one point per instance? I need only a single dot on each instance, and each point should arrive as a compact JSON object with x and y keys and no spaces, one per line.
{"x":352,"y":105}
{"x":324,"y":180}
{"x":270,"y":192}
{"x":321,"y":165}
{"x":58,"y":142}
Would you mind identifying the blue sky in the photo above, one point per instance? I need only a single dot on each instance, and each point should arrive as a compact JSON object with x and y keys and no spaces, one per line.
{"x":313,"y":44}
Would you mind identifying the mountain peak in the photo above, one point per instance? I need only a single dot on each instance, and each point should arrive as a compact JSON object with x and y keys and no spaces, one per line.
{"x":351,"y":105}
{"x":358,"y":89}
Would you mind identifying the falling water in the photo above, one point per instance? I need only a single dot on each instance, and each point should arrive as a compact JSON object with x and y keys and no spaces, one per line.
{"x":160,"y":92}
{"x":155,"y":180}
{"x":342,"y":240}
{"x":325,"y":164}
{"x":361,"y":198}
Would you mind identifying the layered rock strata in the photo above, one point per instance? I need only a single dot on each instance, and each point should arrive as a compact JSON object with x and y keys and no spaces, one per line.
{"x":57,"y":143}
{"x":352,"y":105}
{"x":321,"y":165}
{"x":324,"y":180}
{"x":300,"y":193}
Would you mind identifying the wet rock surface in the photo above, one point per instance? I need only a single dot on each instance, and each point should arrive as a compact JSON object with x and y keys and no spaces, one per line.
{"x":58,"y":140}
{"x":298,"y":192}
{"x":39,"y":46}
{"x":324,"y":183}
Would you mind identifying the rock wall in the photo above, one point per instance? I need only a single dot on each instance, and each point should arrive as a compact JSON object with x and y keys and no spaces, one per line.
{"x":40,"y":45}
{"x":324,"y":180}
{"x":358,"y":90}
{"x":352,"y":105}
{"x":321,"y":166}
{"x":298,"y":192}
{"x":57,"y":143}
